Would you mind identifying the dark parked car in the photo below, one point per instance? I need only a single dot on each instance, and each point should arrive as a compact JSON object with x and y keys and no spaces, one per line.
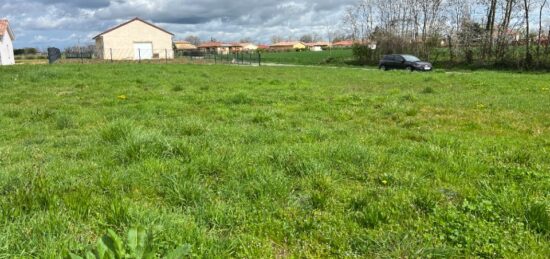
{"x":408,"y":62}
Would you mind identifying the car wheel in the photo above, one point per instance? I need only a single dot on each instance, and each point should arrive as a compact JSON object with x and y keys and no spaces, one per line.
{"x":410,"y":69}
{"x":383,"y":68}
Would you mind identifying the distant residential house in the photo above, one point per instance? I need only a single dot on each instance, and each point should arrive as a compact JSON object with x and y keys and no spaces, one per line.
{"x":135,"y":39}
{"x":241,"y":47}
{"x":286,"y":46}
{"x":6,"y":45}
{"x":543,"y":40}
{"x":350,"y":43}
{"x":235,"y":47}
{"x":249,"y":46}
{"x":215,"y":48}
{"x":343,"y":44}
{"x":317,"y":46}
{"x":184,"y":45}
{"x":509,"y":36}
{"x":263,"y":47}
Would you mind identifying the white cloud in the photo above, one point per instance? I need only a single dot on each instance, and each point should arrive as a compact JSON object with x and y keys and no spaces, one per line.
{"x":58,"y":20}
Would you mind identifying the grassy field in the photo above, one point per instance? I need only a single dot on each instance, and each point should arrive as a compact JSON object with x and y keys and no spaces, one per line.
{"x":336,"y":57}
{"x":274,"y":161}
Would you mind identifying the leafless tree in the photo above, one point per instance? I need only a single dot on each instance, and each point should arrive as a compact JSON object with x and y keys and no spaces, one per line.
{"x":526,"y":8}
{"x":195,"y":40}
{"x":421,"y":26}
{"x":503,"y":30}
{"x":490,"y":27}
{"x":276,"y":39}
{"x":539,"y":38}
{"x":245,"y":40}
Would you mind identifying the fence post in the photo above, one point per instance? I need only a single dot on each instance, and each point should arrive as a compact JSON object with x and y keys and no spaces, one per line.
{"x":139,"y":55}
{"x":166,"y":55}
{"x":111,"y":54}
{"x":259,"y":59}
{"x":80,"y":53}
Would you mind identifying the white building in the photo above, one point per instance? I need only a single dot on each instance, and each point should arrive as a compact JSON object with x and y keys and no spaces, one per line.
{"x":6,"y":46}
{"x":135,"y":39}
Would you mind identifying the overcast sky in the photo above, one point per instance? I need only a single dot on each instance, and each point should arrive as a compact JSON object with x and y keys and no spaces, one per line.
{"x":61,"y":23}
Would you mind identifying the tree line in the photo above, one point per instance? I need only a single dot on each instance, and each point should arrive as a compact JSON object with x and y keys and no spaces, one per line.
{"x":507,"y":33}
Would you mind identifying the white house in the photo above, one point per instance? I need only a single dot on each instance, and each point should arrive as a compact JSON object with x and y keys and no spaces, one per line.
{"x":135,"y":39}
{"x":249,"y":46}
{"x":318,"y":46}
{"x":6,"y":46}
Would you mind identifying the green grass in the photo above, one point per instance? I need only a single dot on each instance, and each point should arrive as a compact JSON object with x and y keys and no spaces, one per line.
{"x":335,"y":57}
{"x":255,"y":162}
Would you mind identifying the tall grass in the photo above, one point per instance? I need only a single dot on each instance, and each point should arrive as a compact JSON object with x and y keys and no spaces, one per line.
{"x":223,"y":161}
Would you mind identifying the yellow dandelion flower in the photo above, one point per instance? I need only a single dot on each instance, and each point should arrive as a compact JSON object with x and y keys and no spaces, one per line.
{"x":384,"y":182}
{"x":122,"y":97}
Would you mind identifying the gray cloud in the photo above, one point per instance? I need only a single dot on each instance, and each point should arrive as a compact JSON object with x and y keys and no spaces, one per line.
{"x":62,"y":23}
{"x":85,"y":4}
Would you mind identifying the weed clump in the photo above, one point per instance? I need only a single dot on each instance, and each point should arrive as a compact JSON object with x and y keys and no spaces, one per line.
{"x":428,"y":90}
{"x":134,"y":144}
{"x":408,"y":98}
{"x":177,"y":88}
{"x":140,"y":145}
{"x":191,"y":128}
{"x":12,"y":114}
{"x":538,"y":218}
{"x":64,"y":122}
{"x":239,"y":99}
{"x":117,"y":132}
{"x":292,"y":162}
{"x":262,"y":118}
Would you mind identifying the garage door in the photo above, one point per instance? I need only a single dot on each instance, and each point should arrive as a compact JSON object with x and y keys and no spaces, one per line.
{"x":143,"y":50}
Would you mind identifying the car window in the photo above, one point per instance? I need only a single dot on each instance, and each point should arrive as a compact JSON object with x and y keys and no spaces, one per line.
{"x":411,"y":58}
{"x":388,"y":57}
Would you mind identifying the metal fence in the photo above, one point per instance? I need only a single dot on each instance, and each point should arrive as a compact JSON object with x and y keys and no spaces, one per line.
{"x":252,"y":58}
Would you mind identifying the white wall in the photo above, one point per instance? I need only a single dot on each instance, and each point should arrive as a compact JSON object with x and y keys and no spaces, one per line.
{"x":119,"y":43}
{"x":6,"y":50}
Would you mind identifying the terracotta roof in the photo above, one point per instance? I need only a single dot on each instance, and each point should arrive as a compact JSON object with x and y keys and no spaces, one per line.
{"x":344,"y":43}
{"x":135,"y":19}
{"x":285,"y":44}
{"x":185,"y":45}
{"x":211,"y":44}
{"x":313,"y":44}
{"x":263,"y":46}
{"x":234,"y":44}
{"x":5,"y":27}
